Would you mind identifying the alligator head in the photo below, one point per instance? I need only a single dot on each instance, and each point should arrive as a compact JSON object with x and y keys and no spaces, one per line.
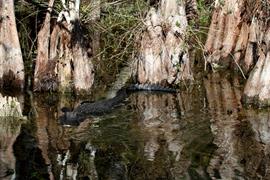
{"x":70,"y":118}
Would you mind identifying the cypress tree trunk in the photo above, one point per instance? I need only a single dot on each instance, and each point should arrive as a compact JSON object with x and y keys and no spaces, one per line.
{"x":223,"y":35}
{"x":232,"y":35}
{"x":12,"y":68}
{"x":44,"y":77}
{"x":75,"y":68}
{"x":163,"y":55}
{"x":257,"y":88}
{"x":239,"y":37}
{"x":67,"y":63}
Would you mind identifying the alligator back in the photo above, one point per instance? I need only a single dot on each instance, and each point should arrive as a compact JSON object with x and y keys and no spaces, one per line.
{"x":150,"y":87}
{"x":87,"y":109}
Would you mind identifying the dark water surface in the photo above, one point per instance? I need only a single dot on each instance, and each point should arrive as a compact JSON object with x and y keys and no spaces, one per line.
{"x":200,"y":133}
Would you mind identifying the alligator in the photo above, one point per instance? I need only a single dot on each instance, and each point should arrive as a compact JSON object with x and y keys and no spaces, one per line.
{"x":88,"y":109}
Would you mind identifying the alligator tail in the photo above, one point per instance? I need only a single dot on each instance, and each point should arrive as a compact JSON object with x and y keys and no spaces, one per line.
{"x":150,"y":87}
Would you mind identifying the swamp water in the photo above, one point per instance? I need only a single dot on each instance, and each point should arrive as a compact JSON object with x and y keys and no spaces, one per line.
{"x":200,"y":133}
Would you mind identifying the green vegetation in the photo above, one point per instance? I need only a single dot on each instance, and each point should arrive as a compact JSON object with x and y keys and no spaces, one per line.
{"x":198,"y":29}
{"x":119,"y":28}
{"x":204,"y":12}
{"x":116,"y":30}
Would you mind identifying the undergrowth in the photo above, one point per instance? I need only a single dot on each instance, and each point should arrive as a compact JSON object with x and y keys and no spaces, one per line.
{"x":198,"y":29}
{"x":114,"y":26}
{"x":119,"y":27}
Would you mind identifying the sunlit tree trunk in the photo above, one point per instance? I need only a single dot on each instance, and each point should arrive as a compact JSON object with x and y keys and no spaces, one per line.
{"x":239,"y":37}
{"x":12,"y":67}
{"x":228,"y":35}
{"x":68,"y":64}
{"x":75,"y":68}
{"x":163,"y":55}
{"x":257,"y":88}
{"x":233,"y":34}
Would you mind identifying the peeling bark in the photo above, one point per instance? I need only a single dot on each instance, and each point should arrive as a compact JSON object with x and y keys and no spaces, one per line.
{"x":257,"y":87}
{"x":224,"y":32}
{"x":77,"y":55}
{"x":74,"y":66}
{"x":239,"y":37}
{"x":241,"y":43}
{"x":163,"y":55}
{"x":233,"y":35}
{"x":68,"y":64}
{"x":12,"y":67}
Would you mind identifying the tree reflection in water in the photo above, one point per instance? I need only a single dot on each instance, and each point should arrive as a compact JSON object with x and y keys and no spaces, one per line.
{"x":241,"y":134}
{"x":253,"y":145}
{"x":224,"y":103}
{"x":149,"y":139}
{"x":11,"y":120}
{"x":153,"y":136}
{"x":9,"y":130}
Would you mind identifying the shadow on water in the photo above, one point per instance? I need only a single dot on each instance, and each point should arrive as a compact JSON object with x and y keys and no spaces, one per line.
{"x":203,"y":133}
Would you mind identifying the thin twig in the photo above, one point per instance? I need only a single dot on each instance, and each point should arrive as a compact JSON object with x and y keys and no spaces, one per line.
{"x":238,"y":66}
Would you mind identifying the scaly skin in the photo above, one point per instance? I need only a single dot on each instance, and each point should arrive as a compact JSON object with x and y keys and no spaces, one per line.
{"x":102,"y":107}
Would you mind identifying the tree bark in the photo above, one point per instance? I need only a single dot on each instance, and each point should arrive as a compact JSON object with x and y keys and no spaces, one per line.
{"x":257,"y":87}
{"x":68,"y":64}
{"x":75,"y":54}
{"x":44,"y":77}
{"x":232,"y":35}
{"x":239,"y":37}
{"x":223,"y":32}
{"x":12,"y":67}
{"x":163,"y":55}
